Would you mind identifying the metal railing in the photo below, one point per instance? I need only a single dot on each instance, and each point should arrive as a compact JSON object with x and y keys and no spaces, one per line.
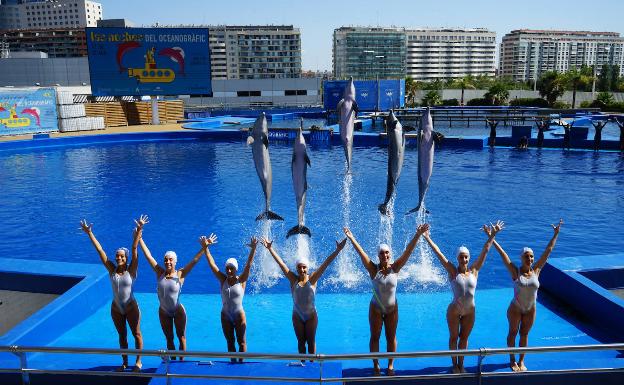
{"x":22,"y":351}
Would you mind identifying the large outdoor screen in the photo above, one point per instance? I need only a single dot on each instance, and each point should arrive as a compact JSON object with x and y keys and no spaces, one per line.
{"x":149,"y":61}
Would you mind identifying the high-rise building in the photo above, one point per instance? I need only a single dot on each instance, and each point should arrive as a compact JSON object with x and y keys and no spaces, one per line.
{"x":49,"y":14}
{"x":525,"y":54}
{"x":423,"y":54}
{"x":255,"y":52}
{"x":64,"y":42}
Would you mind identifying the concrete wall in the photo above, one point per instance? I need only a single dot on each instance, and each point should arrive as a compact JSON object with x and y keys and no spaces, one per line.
{"x":513,"y":94}
{"x":46,"y":72}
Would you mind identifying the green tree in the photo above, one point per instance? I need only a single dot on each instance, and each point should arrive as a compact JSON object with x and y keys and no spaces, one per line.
{"x":432,"y":98}
{"x":498,"y":93}
{"x":576,"y":79}
{"x":467,"y":82}
{"x":410,"y":91}
{"x":605,"y":98}
{"x":551,"y":86}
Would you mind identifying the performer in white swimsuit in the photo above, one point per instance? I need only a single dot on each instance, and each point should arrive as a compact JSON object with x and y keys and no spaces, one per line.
{"x":460,"y":314}
{"x":521,"y":310}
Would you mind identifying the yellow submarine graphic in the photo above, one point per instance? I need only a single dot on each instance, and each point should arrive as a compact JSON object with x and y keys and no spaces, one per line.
{"x":150,"y":73}
{"x":14,"y":121}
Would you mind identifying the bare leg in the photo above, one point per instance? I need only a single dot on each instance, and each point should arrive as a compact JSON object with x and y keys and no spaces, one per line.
{"x":452,"y":320}
{"x":228,"y":333}
{"x":134,"y":321}
{"x":119,"y":320}
{"x":166,"y":323}
{"x":310,"y":333}
{"x":240,"y":326}
{"x":180,"y":324}
{"x":375,"y":320}
{"x":466,"y":325}
{"x":513,"y":316}
{"x":526,"y":323}
{"x":391,"y":320}
{"x":300,"y":332}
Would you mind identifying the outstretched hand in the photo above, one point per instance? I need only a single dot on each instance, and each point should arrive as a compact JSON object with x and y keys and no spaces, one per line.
{"x":203,"y":241}
{"x":210,"y":240}
{"x":341,"y":244}
{"x":141,"y":221}
{"x":266,"y":243}
{"x":557,"y":227}
{"x":253,"y":242}
{"x":86,"y":227}
{"x":422,"y":229}
{"x":493,"y":229}
{"x":347,"y":232}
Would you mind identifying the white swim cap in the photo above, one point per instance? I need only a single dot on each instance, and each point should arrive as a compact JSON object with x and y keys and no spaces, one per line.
{"x":173,"y":255}
{"x":462,"y":250}
{"x":302,"y":261}
{"x":125,"y":251}
{"x":526,"y":250}
{"x":383,"y":247}
{"x":231,"y":262}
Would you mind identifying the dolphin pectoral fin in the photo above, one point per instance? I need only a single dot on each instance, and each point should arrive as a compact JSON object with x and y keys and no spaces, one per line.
{"x":269,"y":215}
{"x":250,"y":140}
{"x":265,"y":141}
{"x":355,"y":107}
{"x":299,"y":229}
{"x":307,"y":159}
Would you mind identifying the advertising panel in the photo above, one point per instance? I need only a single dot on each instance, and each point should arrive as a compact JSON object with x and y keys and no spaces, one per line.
{"x":149,"y":61}
{"x":370,"y":95}
{"x":27,"y":111}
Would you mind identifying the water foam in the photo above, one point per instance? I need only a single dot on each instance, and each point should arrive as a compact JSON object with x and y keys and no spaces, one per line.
{"x":268,"y":272}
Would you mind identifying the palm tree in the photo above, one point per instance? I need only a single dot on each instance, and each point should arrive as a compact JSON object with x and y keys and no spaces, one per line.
{"x":410,"y":90}
{"x":467,"y":82}
{"x":497,"y":93}
{"x":576,"y":79}
{"x":432,"y":98}
{"x":551,"y":86}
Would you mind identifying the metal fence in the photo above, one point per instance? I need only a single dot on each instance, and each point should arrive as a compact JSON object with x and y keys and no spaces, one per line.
{"x":22,"y":351}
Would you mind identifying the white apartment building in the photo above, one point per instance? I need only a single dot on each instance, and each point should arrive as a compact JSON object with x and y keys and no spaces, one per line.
{"x":49,"y":14}
{"x":447,"y":53}
{"x":424,"y":54}
{"x":525,"y":54}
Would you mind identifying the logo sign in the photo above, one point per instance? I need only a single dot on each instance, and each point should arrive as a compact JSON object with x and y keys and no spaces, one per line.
{"x":149,"y":61}
{"x":24,"y":111}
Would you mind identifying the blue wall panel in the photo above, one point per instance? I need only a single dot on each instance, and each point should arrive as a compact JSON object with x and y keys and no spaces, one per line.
{"x":371,"y":95}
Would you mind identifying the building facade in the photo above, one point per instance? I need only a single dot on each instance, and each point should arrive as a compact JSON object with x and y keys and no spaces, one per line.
{"x":55,"y":43}
{"x":526,"y":54}
{"x":49,"y":14}
{"x":369,"y":53}
{"x":423,"y":54}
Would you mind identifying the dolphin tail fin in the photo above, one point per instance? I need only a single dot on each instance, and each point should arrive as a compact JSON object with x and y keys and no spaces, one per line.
{"x":383,"y":208}
{"x":299,"y":229}
{"x":269,"y":215}
{"x":416,"y":209}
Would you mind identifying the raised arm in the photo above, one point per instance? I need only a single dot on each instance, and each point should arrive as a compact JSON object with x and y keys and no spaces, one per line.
{"x":183,"y":272}
{"x":366,"y":261}
{"x":253,"y":243}
{"x":88,"y":229}
{"x":513,"y":269}
{"x":551,"y":245}
{"x":136,"y":235}
{"x":292,"y":278}
{"x":399,"y":263}
{"x":448,"y":266}
{"x":206,"y":242}
{"x":148,"y":255}
{"x":491,"y":232}
{"x":314,"y":277}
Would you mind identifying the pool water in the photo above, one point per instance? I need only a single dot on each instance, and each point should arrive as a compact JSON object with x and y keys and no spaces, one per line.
{"x":194,"y":188}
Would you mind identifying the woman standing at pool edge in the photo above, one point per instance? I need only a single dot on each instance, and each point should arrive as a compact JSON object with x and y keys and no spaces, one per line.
{"x":521,"y":311}
{"x":303,"y":288}
{"x":233,"y":319}
{"x":124,"y":307}
{"x":171,"y":312}
{"x":460,"y":314}
{"x":383,"y":308}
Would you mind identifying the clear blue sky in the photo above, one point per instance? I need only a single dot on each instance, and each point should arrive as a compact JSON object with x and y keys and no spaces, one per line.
{"x":317,"y":19}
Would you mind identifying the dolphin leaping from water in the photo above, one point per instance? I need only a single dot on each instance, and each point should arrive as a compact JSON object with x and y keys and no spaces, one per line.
{"x":259,"y":141}
{"x":426,"y":146}
{"x":299,"y":167}
{"x":347,"y":112}
{"x":396,"y":151}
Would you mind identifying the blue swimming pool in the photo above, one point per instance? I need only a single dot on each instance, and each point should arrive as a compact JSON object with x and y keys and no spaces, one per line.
{"x":191,"y":188}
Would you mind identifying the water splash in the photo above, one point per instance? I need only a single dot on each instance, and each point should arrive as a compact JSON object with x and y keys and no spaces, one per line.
{"x":347,"y":274}
{"x":420,"y":272}
{"x":268,"y":272}
{"x":386,"y":222}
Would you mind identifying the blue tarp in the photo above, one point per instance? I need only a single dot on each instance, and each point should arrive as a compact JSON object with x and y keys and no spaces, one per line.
{"x":370,"y":95}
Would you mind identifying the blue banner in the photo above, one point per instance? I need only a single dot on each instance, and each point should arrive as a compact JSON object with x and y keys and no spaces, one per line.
{"x":149,"y":61}
{"x":27,"y":111}
{"x":370,"y":95}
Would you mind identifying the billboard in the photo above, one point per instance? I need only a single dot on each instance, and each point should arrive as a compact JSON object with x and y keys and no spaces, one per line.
{"x":149,"y":61}
{"x":370,"y":95}
{"x":27,"y":111}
